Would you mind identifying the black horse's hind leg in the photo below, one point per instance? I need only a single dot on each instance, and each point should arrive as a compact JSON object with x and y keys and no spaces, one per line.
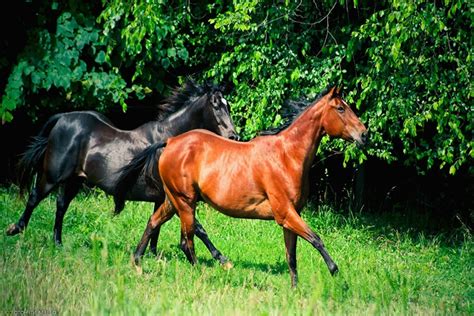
{"x":39,"y":192}
{"x":70,"y":189}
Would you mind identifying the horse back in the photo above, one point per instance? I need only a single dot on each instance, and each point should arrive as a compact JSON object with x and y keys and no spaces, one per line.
{"x":69,"y":141}
{"x":224,"y":173}
{"x":224,"y":170}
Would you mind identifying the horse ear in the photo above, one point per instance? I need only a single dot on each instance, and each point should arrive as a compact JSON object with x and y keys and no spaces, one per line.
{"x":332,"y":92}
{"x":213,"y":99}
{"x":338,"y":90}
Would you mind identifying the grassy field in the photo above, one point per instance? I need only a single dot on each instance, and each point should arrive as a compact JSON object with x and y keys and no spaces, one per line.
{"x":389,"y":264}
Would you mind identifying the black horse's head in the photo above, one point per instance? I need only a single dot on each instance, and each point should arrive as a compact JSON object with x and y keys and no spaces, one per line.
{"x":217,"y":114}
{"x":199,"y":106}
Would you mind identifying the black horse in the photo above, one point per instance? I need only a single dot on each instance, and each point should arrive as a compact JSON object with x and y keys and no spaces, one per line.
{"x":77,"y":147}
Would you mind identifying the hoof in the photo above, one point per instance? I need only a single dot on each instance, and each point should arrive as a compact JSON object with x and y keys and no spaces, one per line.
{"x":13,"y":229}
{"x":227,"y":265}
{"x":294,"y":284}
{"x":334,"y":269}
{"x":139,"y":269}
{"x":135,"y":261}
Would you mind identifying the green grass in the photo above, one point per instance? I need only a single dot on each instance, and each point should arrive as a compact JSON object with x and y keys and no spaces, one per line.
{"x":388,"y":265}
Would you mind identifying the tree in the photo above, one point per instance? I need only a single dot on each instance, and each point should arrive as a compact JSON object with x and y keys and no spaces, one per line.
{"x":414,"y":62}
{"x":405,"y":65}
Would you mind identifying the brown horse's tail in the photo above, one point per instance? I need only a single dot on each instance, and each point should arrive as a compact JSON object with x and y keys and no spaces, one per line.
{"x":30,"y":161}
{"x":145,"y":162}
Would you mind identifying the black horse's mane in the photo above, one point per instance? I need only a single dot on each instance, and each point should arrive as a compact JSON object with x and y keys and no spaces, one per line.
{"x":181,"y":97}
{"x":291,"y":110}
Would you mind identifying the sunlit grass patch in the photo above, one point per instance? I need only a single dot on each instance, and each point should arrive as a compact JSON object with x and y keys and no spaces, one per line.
{"x":384,"y":268}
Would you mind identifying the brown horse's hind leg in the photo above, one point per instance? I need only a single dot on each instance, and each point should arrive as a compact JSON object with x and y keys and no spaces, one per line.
{"x":296,"y":224}
{"x":160,"y":216}
{"x":185,"y":204}
{"x":187,"y":231}
{"x":201,"y":234}
{"x":39,"y":192}
{"x":290,"y":244}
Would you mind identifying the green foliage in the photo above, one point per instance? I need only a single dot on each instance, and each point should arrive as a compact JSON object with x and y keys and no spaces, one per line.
{"x":388,"y":265}
{"x":269,"y":60}
{"x":237,"y":19}
{"x":405,"y":65}
{"x":147,"y":36}
{"x":264,"y":81}
{"x":415,"y":82}
{"x":62,"y":61}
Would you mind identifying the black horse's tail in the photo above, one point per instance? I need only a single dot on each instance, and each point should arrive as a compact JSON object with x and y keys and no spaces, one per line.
{"x":143,"y":162}
{"x":30,"y":161}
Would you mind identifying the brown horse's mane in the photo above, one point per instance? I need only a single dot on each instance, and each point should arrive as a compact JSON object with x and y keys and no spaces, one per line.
{"x":183,"y":97}
{"x":291,"y":110}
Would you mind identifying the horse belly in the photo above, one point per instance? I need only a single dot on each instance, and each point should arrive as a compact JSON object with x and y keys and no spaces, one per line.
{"x":260,"y":211}
{"x":255,"y":210}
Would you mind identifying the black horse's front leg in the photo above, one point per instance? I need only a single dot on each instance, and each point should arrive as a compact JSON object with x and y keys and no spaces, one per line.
{"x":154,"y":236}
{"x":141,"y":247}
{"x":216,"y":254}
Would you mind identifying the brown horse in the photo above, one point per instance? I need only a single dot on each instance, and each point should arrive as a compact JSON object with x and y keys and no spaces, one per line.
{"x":265,"y":178}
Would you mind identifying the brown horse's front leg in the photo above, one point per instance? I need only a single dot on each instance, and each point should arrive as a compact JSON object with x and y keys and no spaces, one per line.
{"x":318,"y":244}
{"x":290,"y":244}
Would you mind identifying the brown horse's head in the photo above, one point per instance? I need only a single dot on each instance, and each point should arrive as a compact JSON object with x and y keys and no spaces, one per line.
{"x":339,"y":120}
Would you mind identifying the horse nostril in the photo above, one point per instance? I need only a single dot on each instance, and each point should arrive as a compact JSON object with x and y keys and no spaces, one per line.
{"x":364,"y":136}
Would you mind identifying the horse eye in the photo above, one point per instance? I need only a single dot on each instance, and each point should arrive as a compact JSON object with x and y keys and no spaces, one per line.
{"x":340,"y":109}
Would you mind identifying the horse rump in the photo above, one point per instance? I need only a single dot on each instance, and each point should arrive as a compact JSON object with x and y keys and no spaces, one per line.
{"x":30,"y":161}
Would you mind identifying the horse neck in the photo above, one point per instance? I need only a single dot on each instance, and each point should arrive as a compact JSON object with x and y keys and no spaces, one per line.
{"x":181,"y":121}
{"x":303,"y":136}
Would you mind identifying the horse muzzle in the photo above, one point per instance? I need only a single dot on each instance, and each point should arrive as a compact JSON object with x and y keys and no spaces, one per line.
{"x":362,"y":139}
